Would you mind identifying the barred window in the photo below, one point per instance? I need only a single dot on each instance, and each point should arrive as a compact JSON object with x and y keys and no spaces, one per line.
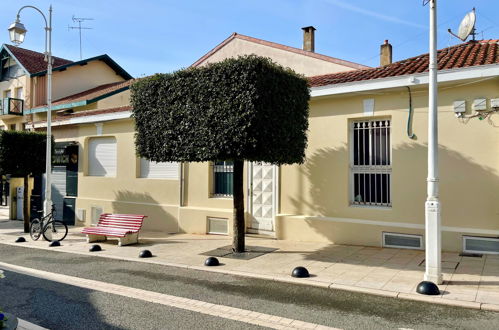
{"x":222,"y":178}
{"x":371,"y":163}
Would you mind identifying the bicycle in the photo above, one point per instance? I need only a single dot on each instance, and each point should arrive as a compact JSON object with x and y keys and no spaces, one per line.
{"x":56,"y":228}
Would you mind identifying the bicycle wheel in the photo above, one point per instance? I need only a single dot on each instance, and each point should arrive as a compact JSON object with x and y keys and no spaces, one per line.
{"x":55,"y":231}
{"x":35,"y":229}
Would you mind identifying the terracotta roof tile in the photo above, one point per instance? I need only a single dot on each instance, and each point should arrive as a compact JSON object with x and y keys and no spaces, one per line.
{"x":279,"y":46}
{"x":34,"y":61}
{"x":472,"y":53}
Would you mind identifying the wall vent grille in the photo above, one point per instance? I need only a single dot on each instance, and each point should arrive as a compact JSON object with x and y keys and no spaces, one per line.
{"x":403,"y":241}
{"x":474,"y":244}
{"x":218,"y":226}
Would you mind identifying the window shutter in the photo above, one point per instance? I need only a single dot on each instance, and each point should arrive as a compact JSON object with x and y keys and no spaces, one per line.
{"x":102,"y":157}
{"x":154,"y":170}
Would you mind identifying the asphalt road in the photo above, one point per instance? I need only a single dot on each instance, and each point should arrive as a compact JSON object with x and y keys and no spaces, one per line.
{"x":59,"y":306}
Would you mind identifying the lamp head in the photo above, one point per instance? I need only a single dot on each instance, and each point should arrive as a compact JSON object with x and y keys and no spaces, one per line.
{"x":17,"y":31}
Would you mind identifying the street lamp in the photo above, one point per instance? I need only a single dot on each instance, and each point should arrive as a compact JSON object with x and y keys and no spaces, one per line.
{"x":433,"y":272}
{"x":17,"y":31}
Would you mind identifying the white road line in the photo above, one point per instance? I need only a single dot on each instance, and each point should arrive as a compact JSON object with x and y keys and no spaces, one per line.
{"x":227,"y":312}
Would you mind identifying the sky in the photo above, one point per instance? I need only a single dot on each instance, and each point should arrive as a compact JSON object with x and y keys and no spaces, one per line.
{"x":150,"y":36}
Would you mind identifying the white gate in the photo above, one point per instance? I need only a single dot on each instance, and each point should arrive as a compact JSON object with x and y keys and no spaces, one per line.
{"x":263,"y":197}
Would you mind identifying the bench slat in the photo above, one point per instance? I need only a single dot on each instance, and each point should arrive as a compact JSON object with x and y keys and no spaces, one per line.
{"x":116,"y":225}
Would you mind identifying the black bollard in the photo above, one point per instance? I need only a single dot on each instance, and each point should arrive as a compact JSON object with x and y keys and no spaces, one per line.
{"x":428,"y":288}
{"x":55,"y":243}
{"x":95,"y":248}
{"x":211,"y":261}
{"x":300,"y":272}
{"x":145,"y":254}
{"x":20,"y":240}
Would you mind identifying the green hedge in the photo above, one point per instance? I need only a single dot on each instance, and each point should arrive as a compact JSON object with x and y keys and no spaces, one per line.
{"x":247,"y":108}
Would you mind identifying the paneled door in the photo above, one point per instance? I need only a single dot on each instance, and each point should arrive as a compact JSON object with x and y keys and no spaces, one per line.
{"x":262,"y":182}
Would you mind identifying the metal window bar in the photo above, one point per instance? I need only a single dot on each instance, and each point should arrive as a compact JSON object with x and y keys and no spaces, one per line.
{"x":222,"y":179}
{"x":371,"y":169}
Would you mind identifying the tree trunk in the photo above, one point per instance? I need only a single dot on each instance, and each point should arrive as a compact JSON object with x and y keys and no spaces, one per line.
{"x":238,"y":199}
{"x":25,"y":204}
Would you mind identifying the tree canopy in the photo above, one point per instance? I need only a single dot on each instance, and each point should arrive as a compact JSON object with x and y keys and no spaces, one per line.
{"x":22,"y":153}
{"x":245,"y":108}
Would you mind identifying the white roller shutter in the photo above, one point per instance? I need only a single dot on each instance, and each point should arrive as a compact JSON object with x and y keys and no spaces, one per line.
{"x":153,"y":170}
{"x":102,"y":157}
{"x":58,"y":189}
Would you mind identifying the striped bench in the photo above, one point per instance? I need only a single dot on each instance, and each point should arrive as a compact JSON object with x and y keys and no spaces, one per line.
{"x":123,"y":226}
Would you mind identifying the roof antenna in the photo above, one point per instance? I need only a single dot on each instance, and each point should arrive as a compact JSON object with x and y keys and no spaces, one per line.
{"x":79,"y":27}
{"x":467,"y":27}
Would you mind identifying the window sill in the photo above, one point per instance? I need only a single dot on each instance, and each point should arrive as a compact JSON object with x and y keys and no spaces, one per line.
{"x":221,"y":197}
{"x":376,"y":207}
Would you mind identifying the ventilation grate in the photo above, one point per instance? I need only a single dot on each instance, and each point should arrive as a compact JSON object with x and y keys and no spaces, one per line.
{"x":474,"y":244}
{"x":218,"y":226}
{"x":403,"y":241}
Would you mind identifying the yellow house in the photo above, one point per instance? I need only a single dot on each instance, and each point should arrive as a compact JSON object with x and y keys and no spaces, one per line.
{"x":364,"y":179}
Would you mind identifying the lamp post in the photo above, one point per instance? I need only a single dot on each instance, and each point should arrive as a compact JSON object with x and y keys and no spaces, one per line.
{"x":17,"y":31}
{"x":433,"y":271}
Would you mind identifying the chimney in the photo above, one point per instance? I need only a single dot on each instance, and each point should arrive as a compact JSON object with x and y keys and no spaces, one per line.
{"x":386,"y":54}
{"x":308,"y":38}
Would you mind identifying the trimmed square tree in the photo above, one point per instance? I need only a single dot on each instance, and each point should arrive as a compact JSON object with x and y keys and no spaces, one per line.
{"x":22,"y":154}
{"x":240,"y":109}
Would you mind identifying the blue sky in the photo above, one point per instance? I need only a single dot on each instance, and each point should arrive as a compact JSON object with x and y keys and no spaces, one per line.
{"x":150,"y":36}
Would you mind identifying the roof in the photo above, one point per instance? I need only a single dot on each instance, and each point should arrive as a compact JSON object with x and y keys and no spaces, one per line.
{"x":33,"y":61}
{"x":104,"y":58}
{"x":84,"y":116}
{"x":279,"y":46}
{"x":86,"y":97}
{"x":469,"y":54}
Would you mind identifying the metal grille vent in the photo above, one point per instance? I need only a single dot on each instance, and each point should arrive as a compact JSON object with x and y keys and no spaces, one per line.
{"x":218,"y":226}
{"x":403,"y":241}
{"x":474,"y":244}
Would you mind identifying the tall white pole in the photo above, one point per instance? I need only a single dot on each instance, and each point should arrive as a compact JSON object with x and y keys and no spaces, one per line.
{"x":47,"y":205}
{"x":433,"y":271}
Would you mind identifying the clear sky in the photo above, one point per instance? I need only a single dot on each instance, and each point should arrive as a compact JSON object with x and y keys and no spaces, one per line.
{"x":149,"y":36}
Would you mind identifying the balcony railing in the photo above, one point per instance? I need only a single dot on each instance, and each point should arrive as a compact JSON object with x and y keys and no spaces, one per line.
{"x":11,"y":106}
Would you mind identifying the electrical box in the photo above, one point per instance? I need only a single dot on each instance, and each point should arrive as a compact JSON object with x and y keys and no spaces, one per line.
{"x":459,"y":106}
{"x":494,"y":103}
{"x":480,"y":104}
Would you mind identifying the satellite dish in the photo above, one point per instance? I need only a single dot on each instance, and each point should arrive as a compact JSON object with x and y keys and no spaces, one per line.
{"x":467,"y":26}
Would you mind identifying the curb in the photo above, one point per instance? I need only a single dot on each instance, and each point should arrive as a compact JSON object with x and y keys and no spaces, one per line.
{"x":284,"y":279}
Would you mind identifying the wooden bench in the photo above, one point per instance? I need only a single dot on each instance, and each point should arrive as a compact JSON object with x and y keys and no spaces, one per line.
{"x":123,"y":226}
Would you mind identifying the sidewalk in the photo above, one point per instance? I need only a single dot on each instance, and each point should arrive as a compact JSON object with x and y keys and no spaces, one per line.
{"x":471,"y":282}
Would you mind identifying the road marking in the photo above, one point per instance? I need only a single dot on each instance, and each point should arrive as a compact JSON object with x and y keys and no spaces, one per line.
{"x":222,"y":311}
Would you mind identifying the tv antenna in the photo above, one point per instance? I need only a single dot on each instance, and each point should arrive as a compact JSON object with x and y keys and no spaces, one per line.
{"x":467,"y":27}
{"x":79,"y":20}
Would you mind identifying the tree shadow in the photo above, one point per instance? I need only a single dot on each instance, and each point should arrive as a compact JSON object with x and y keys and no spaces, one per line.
{"x":468,"y":193}
{"x":158,"y":219}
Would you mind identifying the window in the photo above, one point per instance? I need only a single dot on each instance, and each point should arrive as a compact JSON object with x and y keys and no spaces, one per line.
{"x":102,"y":157}
{"x":371,"y":163}
{"x":7,"y":93}
{"x":19,"y":93}
{"x":154,"y":170}
{"x":222,"y":178}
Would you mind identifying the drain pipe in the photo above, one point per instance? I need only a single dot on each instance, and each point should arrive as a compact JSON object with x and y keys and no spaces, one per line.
{"x":410,"y":134}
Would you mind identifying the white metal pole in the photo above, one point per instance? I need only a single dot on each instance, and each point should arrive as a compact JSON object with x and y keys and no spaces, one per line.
{"x":47,"y":206}
{"x":433,"y":270}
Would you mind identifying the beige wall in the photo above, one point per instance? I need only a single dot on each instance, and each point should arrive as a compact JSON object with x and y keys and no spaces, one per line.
{"x":469,"y":169}
{"x":305,"y":65}
{"x":81,"y":78}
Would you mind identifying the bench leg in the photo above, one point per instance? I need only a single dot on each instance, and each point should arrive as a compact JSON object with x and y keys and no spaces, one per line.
{"x":95,"y":238}
{"x":129,"y":239}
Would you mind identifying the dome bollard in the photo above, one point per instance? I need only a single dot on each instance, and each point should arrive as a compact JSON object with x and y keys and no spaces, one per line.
{"x":211,"y":261}
{"x":20,"y":240}
{"x":145,"y":254}
{"x":55,"y":243}
{"x":300,"y":272}
{"x":428,"y":288}
{"x":95,"y":248}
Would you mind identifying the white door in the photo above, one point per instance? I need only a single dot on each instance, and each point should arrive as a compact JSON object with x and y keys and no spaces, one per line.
{"x":263,"y":197}
{"x":20,"y":202}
